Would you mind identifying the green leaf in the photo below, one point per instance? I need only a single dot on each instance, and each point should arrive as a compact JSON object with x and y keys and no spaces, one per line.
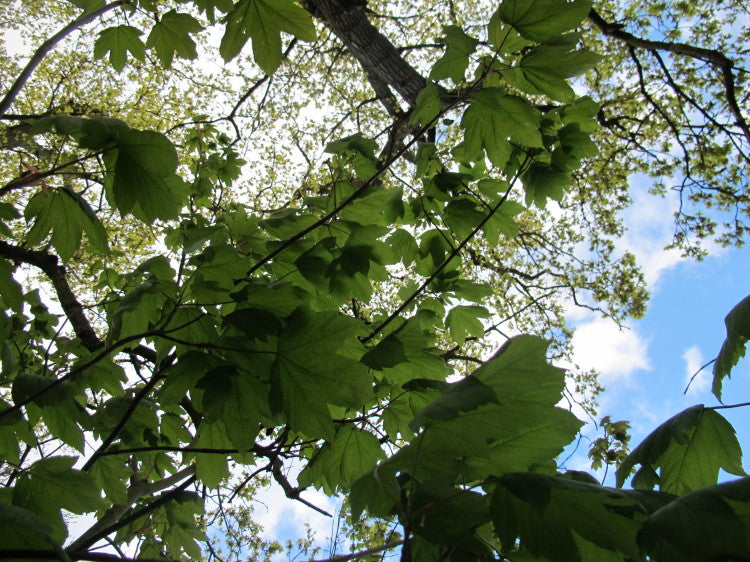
{"x":10,"y":290}
{"x":111,"y":473}
{"x":519,"y":372}
{"x":54,"y":484}
{"x":68,"y":216}
{"x":541,"y":182}
{"x":26,"y":385}
{"x":313,"y":369}
{"x":461,"y":396}
{"x":143,"y":179}
{"x":118,"y":41}
{"x":495,"y":117}
{"x":689,"y":448}
{"x":171,"y":34}
{"x":464,"y":321}
{"x":21,"y":528}
{"x":263,"y":21}
{"x":211,"y":468}
{"x":709,"y":524}
{"x":738,"y":332}
{"x":232,"y":398}
{"x":352,"y":453}
{"x":455,"y":60}
{"x":544,"y":69}
{"x":429,"y":105}
{"x":549,"y":514}
{"x":541,"y":19}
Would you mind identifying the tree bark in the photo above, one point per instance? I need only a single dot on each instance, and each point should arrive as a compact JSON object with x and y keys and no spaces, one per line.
{"x":377,"y":55}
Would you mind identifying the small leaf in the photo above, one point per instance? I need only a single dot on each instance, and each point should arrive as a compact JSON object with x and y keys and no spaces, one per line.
{"x":428,"y":107}
{"x":10,"y":290}
{"x":67,"y":215}
{"x":542,"y":181}
{"x":464,"y":321}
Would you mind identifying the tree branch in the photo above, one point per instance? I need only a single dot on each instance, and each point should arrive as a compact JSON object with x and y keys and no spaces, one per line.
{"x":49,"y":264}
{"x":109,"y":524}
{"x":361,"y":553}
{"x":717,"y":59}
{"x":46,"y":47}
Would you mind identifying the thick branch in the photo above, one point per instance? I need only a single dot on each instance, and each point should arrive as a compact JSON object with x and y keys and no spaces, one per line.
{"x":46,"y":47}
{"x":49,"y":264}
{"x":377,"y":55}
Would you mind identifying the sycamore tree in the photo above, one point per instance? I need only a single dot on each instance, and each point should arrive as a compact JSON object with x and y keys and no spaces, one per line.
{"x":246,"y":237}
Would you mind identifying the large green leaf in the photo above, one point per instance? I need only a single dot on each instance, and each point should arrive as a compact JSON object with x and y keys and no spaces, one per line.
{"x":52,"y":484}
{"x":689,"y":448}
{"x":118,"y":41}
{"x":709,"y":524}
{"x":519,"y":371}
{"x":738,"y":332}
{"x":461,"y":396}
{"x":142,"y":175}
{"x":10,"y":290}
{"x":550,"y":514}
{"x":494,"y":118}
{"x":314,"y":367}
{"x":352,"y":453}
{"x":171,"y":34}
{"x":455,"y":60}
{"x":544,"y":69}
{"x":67,"y":215}
{"x":21,"y":528}
{"x":263,"y":21}
{"x":541,"y":19}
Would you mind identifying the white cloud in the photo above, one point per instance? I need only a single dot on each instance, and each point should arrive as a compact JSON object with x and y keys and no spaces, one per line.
{"x":693,"y":361}
{"x":616,"y":353}
{"x":650,"y":227}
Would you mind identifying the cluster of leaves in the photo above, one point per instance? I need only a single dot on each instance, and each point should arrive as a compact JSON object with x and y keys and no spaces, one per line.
{"x":257,"y":338}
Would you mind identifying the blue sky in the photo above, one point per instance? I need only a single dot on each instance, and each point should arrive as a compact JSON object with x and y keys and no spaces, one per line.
{"x":645,"y":368}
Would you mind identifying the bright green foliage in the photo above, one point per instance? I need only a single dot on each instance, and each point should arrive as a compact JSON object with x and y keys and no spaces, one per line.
{"x":253,"y":296}
{"x":738,"y":332}
{"x":118,"y":42}
{"x":263,"y":21}
{"x":689,"y":449}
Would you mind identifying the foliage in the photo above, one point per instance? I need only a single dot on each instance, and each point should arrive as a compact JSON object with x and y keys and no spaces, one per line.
{"x":223,"y":312}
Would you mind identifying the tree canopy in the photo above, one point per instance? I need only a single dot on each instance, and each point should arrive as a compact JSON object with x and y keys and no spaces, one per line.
{"x":331,"y":244}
